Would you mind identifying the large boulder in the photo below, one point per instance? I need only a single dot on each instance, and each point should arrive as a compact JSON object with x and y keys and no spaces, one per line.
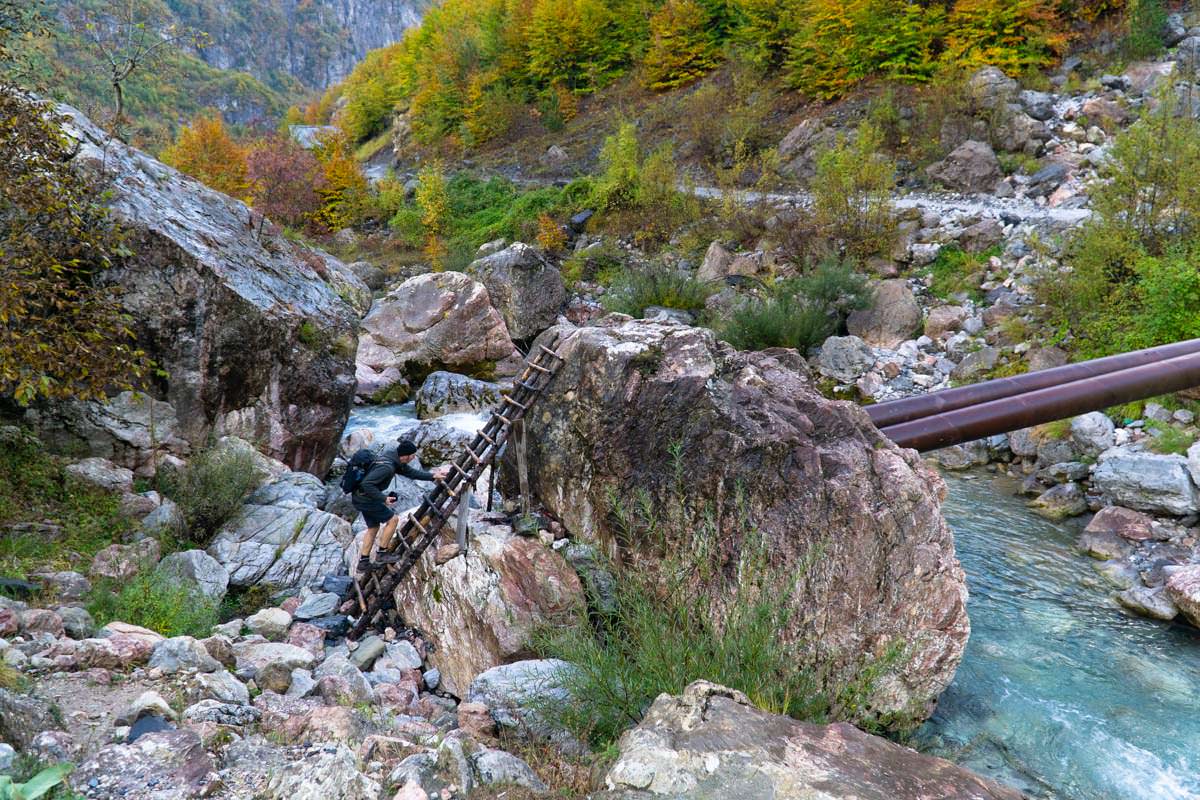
{"x":712,"y":742}
{"x":521,"y":697}
{"x":893,"y":317}
{"x":524,"y":287}
{"x":198,"y":569}
{"x":250,"y":334}
{"x":481,"y":609}
{"x":971,"y":167}
{"x":760,"y":452}
{"x":285,"y":546}
{"x":447,"y":393}
{"x":330,"y":772}
{"x":130,"y":429}
{"x":442,"y":320}
{"x":1146,"y":482}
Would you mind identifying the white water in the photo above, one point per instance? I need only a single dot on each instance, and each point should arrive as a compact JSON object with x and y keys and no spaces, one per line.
{"x":1060,"y":693}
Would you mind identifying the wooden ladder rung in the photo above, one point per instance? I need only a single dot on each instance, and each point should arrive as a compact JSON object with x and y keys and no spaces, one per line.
{"x":550,"y":352}
{"x":522,"y":406}
{"x":501,"y":417}
{"x":538,"y":367}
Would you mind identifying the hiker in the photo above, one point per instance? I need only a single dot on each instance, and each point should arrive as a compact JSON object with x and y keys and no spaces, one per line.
{"x":377,"y":507}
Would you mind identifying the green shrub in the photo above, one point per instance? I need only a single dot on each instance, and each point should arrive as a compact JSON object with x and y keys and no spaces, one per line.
{"x":210,"y":488}
{"x":156,"y":601}
{"x":661,"y":635}
{"x":956,"y":271}
{"x":1169,"y":440}
{"x":1146,"y":20}
{"x":636,"y":290}
{"x":800,"y":313}
{"x":34,"y":488}
{"x":661,"y":630}
{"x":851,"y":191}
{"x":46,"y":782}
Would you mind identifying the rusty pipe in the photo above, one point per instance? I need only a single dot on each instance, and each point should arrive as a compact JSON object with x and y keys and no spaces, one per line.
{"x":1046,"y":405}
{"x":894,"y":412}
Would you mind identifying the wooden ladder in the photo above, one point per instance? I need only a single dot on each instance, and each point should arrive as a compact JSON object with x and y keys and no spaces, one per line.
{"x":376,"y":591}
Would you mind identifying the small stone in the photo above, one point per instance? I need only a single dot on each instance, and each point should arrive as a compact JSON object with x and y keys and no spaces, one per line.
{"x":476,"y":720}
{"x":147,"y":703}
{"x":270,"y":623}
{"x":367,"y":651}
{"x":318,"y":605}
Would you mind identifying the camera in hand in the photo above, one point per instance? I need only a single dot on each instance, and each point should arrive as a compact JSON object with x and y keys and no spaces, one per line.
{"x":393,"y":496}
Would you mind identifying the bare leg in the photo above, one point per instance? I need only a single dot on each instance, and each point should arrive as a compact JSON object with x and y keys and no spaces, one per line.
{"x":389,"y":530}
{"x":368,"y":541}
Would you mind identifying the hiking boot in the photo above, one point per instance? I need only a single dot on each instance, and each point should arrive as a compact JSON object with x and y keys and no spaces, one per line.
{"x":387,"y":557}
{"x":364,"y":564}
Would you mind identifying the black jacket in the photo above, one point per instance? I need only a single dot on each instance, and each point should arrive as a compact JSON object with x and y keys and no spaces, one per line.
{"x":379,"y":477}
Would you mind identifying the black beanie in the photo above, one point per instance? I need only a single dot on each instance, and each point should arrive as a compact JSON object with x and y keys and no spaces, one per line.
{"x":405,"y":447}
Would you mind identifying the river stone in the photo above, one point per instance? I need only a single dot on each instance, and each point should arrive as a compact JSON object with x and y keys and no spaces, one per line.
{"x":317,"y":605}
{"x":357,"y":687}
{"x":971,"y":167}
{"x":1193,"y":462}
{"x":284,"y":546}
{"x":712,"y":742}
{"x":524,"y":287}
{"x":23,"y":716}
{"x":369,"y":649}
{"x":1060,"y":502}
{"x":77,"y":622}
{"x":202,"y":285}
{"x":894,"y":316}
{"x":845,"y":358}
{"x":199,"y":569}
{"x":1183,"y":589}
{"x":321,"y":775}
{"x":1153,"y":603}
{"x":1093,"y":432}
{"x":182,"y":654}
{"x":944,"y":319}
{"x":519,"y":694}
{"x":1122,"y":522}
{"x":1103,"y":545}
{"x":499,"y":767}
{"x":973,"y":364}
{"x":1146,"y":482}
{"x":219,"y":713}
{"x":448,"y":393}
{"x":442,"y":320}
{"x":173,"y":762}
{"x":482,"y":609}
{"x":270,"y":623}
{"x":763,"y":451}
{"x":222,"y":686}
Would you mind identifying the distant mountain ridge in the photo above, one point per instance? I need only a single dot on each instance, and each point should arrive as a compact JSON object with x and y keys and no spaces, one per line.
{"x":314,"y":42}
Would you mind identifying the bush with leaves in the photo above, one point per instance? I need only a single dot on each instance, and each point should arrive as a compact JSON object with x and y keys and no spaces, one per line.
{"x":63,"y":332}
{"x":210,"y":488}
{"x":37,"y":786}
{"x":157,"y":601}
{"x":435,"y":212}
{"x":851,"y":192}
{"x":342,"y":185}
{"x":635,"y":290}
{"x":285,"y":180}
{"x":800,"y":313}
{"x":682,"y":45}
{"x":1131,"y":279}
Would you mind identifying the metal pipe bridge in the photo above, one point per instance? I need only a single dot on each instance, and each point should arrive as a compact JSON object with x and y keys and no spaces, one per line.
{"x":955,"y":416}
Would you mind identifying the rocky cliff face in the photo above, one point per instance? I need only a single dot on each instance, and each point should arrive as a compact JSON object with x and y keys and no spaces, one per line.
{"x":318,"y":43}
{"x":665,"y":412}
{"x":248,"y":329}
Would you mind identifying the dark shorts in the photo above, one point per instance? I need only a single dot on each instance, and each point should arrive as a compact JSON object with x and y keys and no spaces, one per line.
{"x":374,"y":513}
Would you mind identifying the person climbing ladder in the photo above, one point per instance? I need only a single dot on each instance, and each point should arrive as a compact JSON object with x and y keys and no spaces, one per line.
{"x":377,"y":508}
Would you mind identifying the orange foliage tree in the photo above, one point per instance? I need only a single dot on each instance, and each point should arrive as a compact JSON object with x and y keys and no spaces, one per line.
{"x":207,"y":152}
{"x":682,"y":48}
